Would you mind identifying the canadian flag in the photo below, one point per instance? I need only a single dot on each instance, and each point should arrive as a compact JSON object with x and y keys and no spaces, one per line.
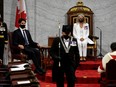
{"x":20,"y":12}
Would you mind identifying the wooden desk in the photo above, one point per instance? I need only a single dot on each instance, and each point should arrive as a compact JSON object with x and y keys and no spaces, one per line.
{"x":28,"y":74}
{"x":50,"y":40}
{"x":30,"y":83}
{"x":18,"y":78}
{"x":4,"y":77}
{"x":10,"y":65}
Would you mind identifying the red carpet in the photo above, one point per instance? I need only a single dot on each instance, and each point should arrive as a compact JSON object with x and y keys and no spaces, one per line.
{"x":87,"y":75}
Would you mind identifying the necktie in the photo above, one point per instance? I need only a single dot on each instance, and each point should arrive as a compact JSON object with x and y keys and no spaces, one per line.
{"x":25,"y":37}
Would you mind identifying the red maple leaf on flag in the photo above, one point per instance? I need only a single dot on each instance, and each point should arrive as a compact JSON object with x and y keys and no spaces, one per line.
{"x":20,"y":12}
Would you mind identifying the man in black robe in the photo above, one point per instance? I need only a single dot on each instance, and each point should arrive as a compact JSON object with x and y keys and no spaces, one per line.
{"x":65,"y":54}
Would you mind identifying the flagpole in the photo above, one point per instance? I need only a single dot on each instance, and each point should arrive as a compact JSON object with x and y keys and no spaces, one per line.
{"x":27,"y":23}
{"x":59,"y":44}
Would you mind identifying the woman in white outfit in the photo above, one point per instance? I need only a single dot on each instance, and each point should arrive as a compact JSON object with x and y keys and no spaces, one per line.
{"x":81,"y":32}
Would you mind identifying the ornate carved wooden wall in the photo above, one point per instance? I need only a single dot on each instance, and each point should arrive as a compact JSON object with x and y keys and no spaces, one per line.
{"x":80,"y":8}
{"x":1,"y":8}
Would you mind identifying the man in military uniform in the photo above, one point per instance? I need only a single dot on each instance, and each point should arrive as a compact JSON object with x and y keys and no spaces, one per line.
{"x":3,"y":38}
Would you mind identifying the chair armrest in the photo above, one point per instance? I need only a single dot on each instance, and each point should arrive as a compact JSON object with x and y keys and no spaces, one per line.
{"x":15,"y":48}
{"x":93,"y":37}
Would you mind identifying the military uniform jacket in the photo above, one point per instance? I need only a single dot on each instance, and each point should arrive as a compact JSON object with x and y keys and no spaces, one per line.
{"x":3,"y":32}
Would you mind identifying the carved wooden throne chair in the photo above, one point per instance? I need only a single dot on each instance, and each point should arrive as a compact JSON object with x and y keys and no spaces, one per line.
{"x":72,"y":18}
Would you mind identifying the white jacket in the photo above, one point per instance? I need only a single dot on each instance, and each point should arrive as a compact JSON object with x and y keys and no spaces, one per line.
{"x":85,"y":30}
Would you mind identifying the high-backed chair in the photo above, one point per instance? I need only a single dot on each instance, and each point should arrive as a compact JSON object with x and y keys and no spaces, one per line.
{"x":72,"y":15}
{"x":108,"y":79}
{"x":16,"y":53}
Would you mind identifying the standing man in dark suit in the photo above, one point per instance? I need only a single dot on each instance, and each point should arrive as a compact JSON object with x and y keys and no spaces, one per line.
{"x":65,"y":54}
{"x":23,"y":40}
{"x":3,"y":37}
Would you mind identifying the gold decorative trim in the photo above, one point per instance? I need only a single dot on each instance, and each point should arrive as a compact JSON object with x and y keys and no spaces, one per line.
{"x":80,"y":3}
{"x":74,"y":9}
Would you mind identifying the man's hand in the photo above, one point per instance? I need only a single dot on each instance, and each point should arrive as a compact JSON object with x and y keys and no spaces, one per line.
{"x":38,"y":45}
{"x":21,"y":46}
{"x":6,"y":42}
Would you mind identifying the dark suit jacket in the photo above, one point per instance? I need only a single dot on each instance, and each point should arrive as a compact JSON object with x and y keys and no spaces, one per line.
{"x":17,"y":38}
{"x":67,"y":59}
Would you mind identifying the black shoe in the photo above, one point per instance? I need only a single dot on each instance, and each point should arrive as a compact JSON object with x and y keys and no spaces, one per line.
{"x":75,"y":78}
{"x":42,"y":70}
{"x":39,"y":71}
